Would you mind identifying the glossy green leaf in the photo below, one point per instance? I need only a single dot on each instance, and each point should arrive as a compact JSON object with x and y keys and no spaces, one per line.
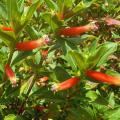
{"x":79,"y":59}
{"x":101,"y":54}
{"x":109,"y":49}
{"x":71,"y":62}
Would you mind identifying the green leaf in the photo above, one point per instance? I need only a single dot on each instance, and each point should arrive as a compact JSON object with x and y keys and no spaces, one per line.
{"x":82,"y":38}
{"x":113,"y":114}
{"x":1,"y":68}
{"x":68,"y":3}
{"x":3,"y":11}
{"x":13,"y":117}
{"x":51,"y":4}
{"x":18,"y":18}
{"x":82,"y":5}
{"x":51,"y":20}
{"x":6,"y":37}
{"x":32,"y":32}
{"x":24,"y":87}
{"x":79,"y":59}
{"x":93,"y":45}
{"x":112,"y":100}
{"x":92,"y":95}
{"x":19,"y":56}
{"x":62,"y":4}
{"x":61,"y":74}
{"x":31,"y":10}
{"x":71,"y":61}
{"x":37,"y":57}
{"x":101,"y":54}
{"x":110,"y":48}
{"x":48,"y":95}
{"x":81,"y":113}
{"x":113,"y":73}
{"x":2,"y":107}
{"x":21,"y":5}
{"x":13,"y":11}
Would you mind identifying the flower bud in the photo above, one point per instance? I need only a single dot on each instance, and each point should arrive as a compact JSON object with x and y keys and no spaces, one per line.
{"x":66,"y":84}
{"x":10,"y":74}
{"x":5,"y":28}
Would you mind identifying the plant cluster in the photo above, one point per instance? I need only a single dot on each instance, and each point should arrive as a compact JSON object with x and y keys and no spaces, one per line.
{"x":59,"y":59}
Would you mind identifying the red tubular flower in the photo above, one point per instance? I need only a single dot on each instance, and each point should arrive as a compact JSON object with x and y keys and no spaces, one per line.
{"x":30,"y":45}
{"x":75,"y":31}
{"x":111,"y":21}
{"x":11,"y":75}
{"x":66,"y":84}
{"x":4,"y":28}
{"x":103,"y":77}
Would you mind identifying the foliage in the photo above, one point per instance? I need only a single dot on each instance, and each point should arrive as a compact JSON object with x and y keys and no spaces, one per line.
{"x":66,"y":57}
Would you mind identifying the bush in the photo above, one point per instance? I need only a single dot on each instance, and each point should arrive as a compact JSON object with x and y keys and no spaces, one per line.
{"x":59,"y":60}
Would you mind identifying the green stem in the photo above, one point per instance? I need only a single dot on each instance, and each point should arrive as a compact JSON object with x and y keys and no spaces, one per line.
{"x":10,"y":56}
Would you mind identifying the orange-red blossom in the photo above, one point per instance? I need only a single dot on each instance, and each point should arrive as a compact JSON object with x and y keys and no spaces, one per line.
{"x":66,"y":84}
{"x":30,"y":45}
{"x":10,"y":74}
{"x":102,"y":77}
{"x":75,"y":31}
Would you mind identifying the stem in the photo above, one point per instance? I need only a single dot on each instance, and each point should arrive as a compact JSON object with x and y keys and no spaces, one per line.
{"x":10,"y":56}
